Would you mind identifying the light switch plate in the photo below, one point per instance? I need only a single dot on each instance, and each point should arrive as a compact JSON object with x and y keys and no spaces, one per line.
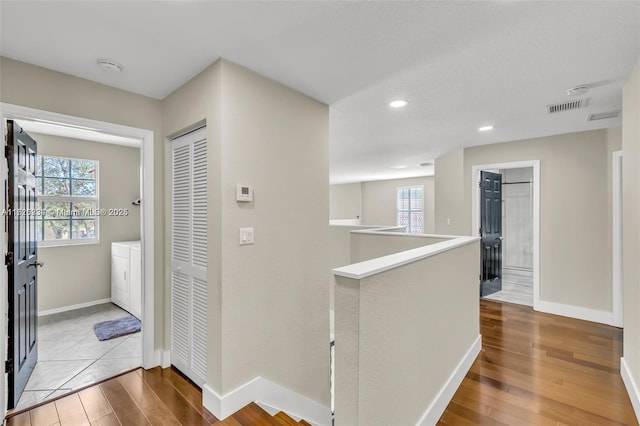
{"x":246,"y":236}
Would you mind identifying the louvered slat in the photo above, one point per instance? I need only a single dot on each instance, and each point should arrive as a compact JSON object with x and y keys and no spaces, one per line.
{"x":181,"y":203}
{"x":189,"y":256}
{"x":199,"y":209}
{"x":180,"y":321}
{"x":199,"y":327}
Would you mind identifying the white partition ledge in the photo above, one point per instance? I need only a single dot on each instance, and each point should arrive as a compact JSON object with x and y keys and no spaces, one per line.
{"x":384,"y":229}
{"x":371,"y":267}
{"x":390,"y":231}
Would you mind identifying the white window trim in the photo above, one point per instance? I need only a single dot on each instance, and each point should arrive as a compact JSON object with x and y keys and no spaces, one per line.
{"x":400,"y":188}
{"x":70,"y":199}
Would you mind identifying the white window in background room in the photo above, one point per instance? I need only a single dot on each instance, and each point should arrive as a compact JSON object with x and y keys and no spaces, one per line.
{"x":67,"y":201}
{"x":410,"y":212}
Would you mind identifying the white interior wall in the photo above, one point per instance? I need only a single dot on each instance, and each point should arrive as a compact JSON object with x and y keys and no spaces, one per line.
{"x":43,"y":89}
{"x":405,"y":338}
{"x":275,"y":291}
{"x":451,"y":217}
{"x":630,"y":365}
{"x":379,"y":201}
{"x":345,"y":201}
{"x":119,"y":185}
{"x":575,"y":273}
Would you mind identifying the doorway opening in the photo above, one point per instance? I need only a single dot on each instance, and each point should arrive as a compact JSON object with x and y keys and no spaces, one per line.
{"x":517,"y":234}
{"x":80,"y":357}
{"x":520,"y":212}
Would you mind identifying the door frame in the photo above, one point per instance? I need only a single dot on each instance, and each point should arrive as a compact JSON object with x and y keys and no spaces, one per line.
{"x":618,"y":291}
{"x":475,"y":211}
{"x":150,"y":358}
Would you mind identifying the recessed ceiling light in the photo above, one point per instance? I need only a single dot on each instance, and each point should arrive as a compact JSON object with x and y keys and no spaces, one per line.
{"x":399,"y":103}
{"x":427,"y":164}
{"x":485,"y":128}
{"x":109,"y":65}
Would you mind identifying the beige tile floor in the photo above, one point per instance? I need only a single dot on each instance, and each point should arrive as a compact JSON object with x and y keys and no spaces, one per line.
{"x":70,"y":355}
{"x":517,"y":287}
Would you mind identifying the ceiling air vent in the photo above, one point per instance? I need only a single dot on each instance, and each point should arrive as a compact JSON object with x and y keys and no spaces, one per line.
{"x":567,"y":106}
{"x":603,"y":115}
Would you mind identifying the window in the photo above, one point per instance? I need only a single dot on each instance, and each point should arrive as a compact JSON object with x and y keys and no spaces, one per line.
{"x":67,"y":200}
{"x":410,"y":212}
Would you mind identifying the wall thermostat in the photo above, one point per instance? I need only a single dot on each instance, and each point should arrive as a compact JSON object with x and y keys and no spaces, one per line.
{"x":244,"y":193}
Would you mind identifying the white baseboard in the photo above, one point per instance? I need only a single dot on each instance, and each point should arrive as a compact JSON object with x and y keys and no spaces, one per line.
{"x":350,"y":222}
{"x":440,"y":402}
{"x":161,"y":358}
{"x":72,"y":307}
{"x":156,"y":360}
{"x":632,"y":387}
{"x":165,"y":359}
{"x":268,"y":394}
{"x":272,"y":411}
{"x":587,"y":314}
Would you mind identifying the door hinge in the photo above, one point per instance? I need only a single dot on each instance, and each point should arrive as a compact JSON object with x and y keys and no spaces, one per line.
{"x":8,"y":259}
{"x":8,"y":366}
{"x":8,"y":150}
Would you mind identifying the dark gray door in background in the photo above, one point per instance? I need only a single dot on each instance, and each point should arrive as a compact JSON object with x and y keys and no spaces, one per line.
{"x":490,"y":232}
{"x":21,"y":261}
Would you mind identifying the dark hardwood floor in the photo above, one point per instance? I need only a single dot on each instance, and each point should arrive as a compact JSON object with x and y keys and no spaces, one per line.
{"x":142,"y":397}
{"x":540,"y":369}
{"x":534,"y":369}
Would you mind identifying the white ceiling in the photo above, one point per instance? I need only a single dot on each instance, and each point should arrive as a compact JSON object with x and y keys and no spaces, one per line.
{"x":459,"y":64}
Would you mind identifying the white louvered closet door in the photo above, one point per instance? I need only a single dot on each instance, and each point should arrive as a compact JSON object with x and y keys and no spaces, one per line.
{"x":189,"y":255}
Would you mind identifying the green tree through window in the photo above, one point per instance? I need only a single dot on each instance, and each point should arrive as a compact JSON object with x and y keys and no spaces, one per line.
{"x":67,"y":197}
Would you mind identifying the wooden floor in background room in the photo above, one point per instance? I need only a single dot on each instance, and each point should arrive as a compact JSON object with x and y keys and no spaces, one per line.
{"x":142,"y":397}
{"x":542,"y":369}
{"x":517,"y":287}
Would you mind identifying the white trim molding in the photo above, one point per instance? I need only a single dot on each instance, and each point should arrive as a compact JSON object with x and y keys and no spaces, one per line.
{"x":267,"y":393}
{"x":618,"y":289}
{"x":440,"y":402}
{"x":165,"y":361}
{"x":475,"y":211}
{"x":162,"y":358}
{"x":10,"y":111}
{"x":72,"y":307}
{"x":631,"y":385}
{"x":578,"y":312}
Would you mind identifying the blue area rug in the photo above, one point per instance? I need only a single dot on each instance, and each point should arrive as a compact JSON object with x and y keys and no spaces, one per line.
{"x":106,"y":330}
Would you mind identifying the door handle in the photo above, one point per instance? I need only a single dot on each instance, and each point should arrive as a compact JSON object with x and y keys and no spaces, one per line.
{"x":499,"y":239}
{"x":37,"y":264}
